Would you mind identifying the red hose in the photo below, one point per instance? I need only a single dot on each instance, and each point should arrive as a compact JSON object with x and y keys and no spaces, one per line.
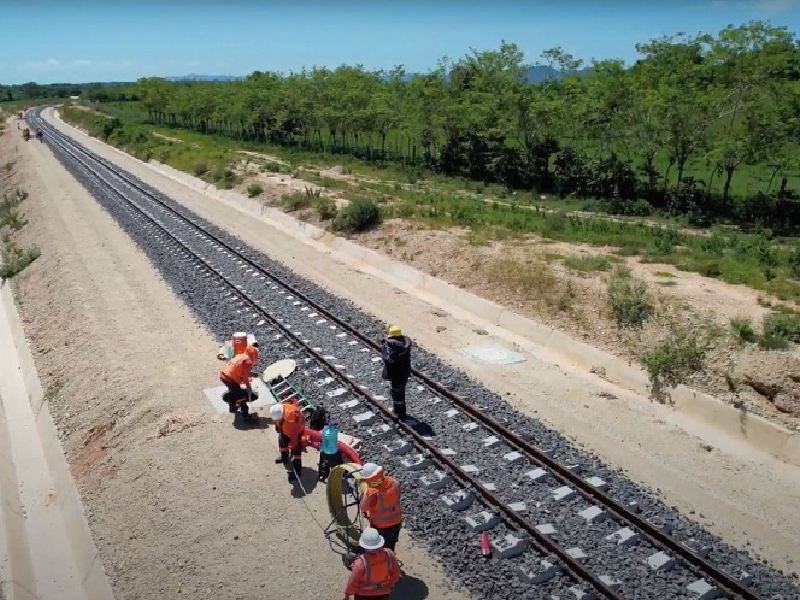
{"x":315,"y":438}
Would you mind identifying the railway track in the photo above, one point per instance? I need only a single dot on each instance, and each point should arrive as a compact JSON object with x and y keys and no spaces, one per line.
{"x":555,"y":526}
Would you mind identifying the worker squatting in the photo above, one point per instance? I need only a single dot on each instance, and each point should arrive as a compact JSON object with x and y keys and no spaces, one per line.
{"x":376,"y":571}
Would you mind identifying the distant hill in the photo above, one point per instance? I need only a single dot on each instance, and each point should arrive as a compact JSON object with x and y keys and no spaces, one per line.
{"x":196,"y":77}
{"x":537,"y":74}
{"x":542,"y":73}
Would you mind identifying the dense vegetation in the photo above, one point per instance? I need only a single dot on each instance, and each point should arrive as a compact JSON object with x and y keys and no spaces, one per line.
{"x":59,"y":91}
{"x":703,"y":126}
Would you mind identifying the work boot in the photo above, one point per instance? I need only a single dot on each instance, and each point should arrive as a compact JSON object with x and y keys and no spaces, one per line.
{"x":399,"y":409}
{"x":284,"y":458}
{"x":294,"y":471}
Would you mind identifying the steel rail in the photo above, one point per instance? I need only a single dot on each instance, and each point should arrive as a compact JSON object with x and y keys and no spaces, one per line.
{"x":695,"y":563}
{"x":543,"y":543}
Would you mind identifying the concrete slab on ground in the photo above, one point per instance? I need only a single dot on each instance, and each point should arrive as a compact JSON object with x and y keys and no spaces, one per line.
{"x":265,"y":397}
{"x":492,"y":354}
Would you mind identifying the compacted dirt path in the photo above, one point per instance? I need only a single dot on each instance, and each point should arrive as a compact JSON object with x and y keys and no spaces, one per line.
{"x":181,"y":504}
{"x":743,"y":495}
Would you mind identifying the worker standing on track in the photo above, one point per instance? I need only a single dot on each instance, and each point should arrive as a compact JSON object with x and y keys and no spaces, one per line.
{"x":381,"y":502}
{"x":289,"y":423}
{"x":397,"y":367}
{"x":236,"y":374}
{"x":375,"y":572}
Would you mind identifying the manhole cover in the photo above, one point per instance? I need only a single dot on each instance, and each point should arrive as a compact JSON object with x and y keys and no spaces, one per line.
{"x":496,"y":355}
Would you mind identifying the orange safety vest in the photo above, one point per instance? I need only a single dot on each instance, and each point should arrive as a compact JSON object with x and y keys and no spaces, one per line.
{"x":378,"y":568}
{"x":388,"y":511}
{"x":238,"y":369}
{"x":293,"y":422}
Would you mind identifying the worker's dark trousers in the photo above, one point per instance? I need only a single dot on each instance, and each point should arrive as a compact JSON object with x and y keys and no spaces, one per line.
{"x":235,"y":395}
{"x":357,"y":597}
{"x":398,"y":393}
{"x":390,"y":535}
{"x":327,"y":462}
{"x":297,"y":454}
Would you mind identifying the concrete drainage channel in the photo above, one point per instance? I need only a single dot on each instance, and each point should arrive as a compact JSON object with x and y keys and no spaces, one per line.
{"x":227,"y":293}
{"x":46,"y":549}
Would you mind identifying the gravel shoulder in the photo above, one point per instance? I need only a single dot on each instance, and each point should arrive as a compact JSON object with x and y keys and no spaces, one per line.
{"x":744,"y":496}
{"x":178,"y":500}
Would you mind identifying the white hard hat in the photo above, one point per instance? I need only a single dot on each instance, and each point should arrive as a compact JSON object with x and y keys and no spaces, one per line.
{"x":370,"y":470}
{"x":276,"y":412}
{"x":371,"y":539}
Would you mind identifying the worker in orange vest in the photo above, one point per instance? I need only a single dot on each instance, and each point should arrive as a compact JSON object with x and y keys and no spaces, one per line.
{"x":290,"y":424}
{"x":235,"y":375}
{"x":375,"y":572}
{"x":381,"y":502}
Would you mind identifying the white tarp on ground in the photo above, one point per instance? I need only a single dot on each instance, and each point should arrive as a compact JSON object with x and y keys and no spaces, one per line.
{"x":492,"y":354}
{"x":265,"y":397}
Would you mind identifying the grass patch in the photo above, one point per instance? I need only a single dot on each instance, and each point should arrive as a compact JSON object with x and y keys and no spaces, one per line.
{"x":778,"y":329}
{"x":744,"y":330}
{"x":326,"y":208}
{"x":588,"y":263}
{"x":254,"y":189}
{"x":629,"y":298}
{"x":9,"y":216}
{"x":360,"y":214}
{"x":15,"y":259}
{"x":297,"y":201}
{"x":666,"y":274}
{"x":670,"y":362}
{"x":326,"y":182}
{"x":533,"y":280}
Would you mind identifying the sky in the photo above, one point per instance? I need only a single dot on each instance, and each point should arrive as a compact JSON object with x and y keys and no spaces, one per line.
{"x":122,"y":40}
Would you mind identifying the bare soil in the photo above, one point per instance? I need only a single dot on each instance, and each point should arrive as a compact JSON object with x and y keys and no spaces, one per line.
{"x":180,"y":502}
{"x":743,"y":495}
{"x":528,"y":276}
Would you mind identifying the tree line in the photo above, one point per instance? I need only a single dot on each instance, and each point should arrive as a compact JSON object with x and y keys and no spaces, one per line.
{"x":61,"y":91}
{"x":675,"y":132}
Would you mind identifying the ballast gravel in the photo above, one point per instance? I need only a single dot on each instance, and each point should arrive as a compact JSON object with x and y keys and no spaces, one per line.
{"x":444,"y":532}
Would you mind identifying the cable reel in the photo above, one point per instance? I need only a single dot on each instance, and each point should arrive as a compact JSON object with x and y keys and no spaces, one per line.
{"x":344,"y":492}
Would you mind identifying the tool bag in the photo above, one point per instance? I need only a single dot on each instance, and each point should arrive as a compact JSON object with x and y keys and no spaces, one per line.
{"x":318,"y":419}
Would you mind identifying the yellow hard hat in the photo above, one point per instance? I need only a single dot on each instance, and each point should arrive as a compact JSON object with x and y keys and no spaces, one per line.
{"x":394,"y":331}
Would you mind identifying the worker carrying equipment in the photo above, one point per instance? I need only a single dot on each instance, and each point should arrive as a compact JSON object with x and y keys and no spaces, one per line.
{"x":381,"y":501}
{"x":396,"y":354}
{"x":236,"y":377}
{"x":289,"y":423}
{"x":375,"y":572}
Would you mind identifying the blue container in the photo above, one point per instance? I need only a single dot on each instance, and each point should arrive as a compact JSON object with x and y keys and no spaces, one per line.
{"x":330,"y":439}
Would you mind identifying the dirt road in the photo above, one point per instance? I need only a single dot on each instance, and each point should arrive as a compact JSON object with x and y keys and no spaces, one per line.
{"x":179,"y":501}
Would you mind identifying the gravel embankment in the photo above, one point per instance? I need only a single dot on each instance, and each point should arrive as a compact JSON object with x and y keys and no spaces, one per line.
{"x":428,"y":519}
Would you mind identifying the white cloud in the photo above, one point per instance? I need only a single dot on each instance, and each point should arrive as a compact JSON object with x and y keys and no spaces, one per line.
{"x":42,"y":64}
{"x":777,"y":5}
{"x":52,"y":64}
{"x":769,"y":6}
